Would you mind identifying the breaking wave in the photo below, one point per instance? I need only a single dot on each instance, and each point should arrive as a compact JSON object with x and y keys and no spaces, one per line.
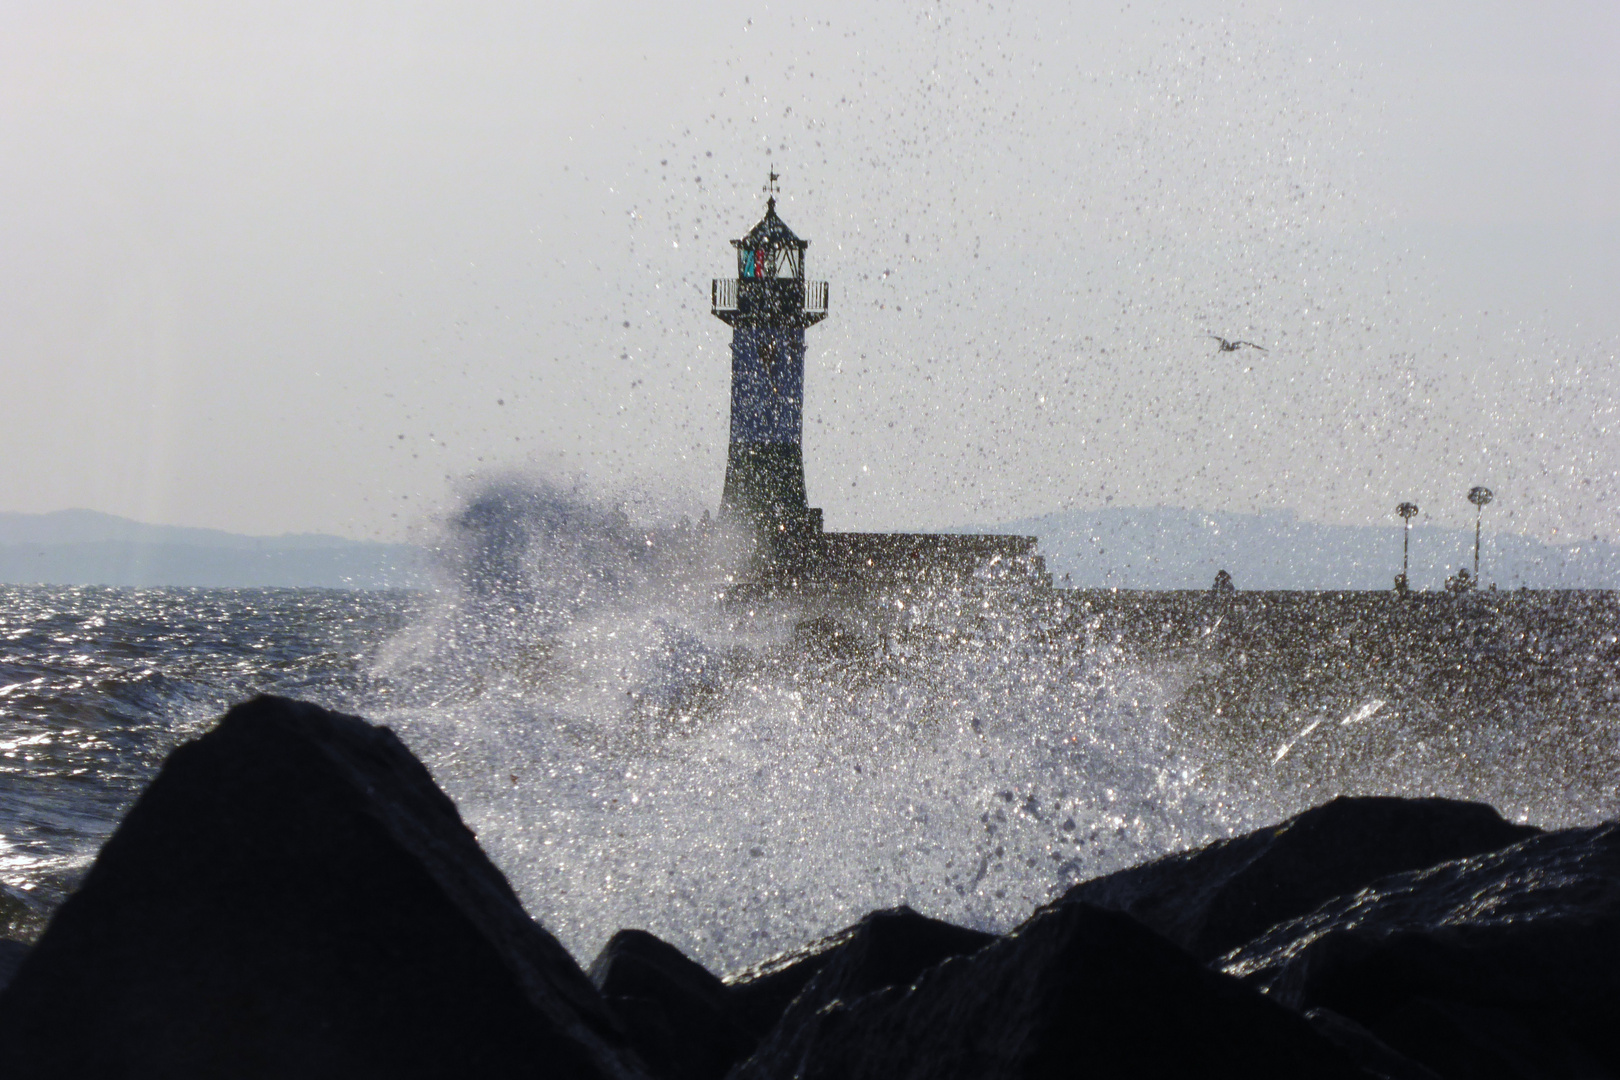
{"x":635,"y":751}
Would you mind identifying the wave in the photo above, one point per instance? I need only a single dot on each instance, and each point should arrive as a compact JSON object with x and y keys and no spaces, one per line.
{"x":635,"y":752}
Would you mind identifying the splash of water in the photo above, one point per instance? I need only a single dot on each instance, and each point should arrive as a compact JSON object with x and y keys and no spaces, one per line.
{"x":634,"y":752}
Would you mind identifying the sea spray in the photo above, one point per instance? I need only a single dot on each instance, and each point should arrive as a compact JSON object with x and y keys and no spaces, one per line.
{"x":635,"y":751}
{"x":1178,"y":705}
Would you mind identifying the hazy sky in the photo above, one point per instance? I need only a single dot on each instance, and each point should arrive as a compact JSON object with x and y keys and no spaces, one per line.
{"x":308,"y":266}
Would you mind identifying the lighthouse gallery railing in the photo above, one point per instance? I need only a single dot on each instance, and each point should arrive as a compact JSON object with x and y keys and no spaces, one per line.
{"x":724,"y":294}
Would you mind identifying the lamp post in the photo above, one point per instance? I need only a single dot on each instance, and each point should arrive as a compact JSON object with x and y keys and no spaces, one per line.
{"x":1407,"y":511}
{"x":1479,"y":496}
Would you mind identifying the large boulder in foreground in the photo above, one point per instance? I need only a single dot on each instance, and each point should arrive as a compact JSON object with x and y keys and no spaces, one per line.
{"x":1076,"y":991}
{"x":292,"y":896}
{"x":1214,"y":899}
{"x":1502,"y":964}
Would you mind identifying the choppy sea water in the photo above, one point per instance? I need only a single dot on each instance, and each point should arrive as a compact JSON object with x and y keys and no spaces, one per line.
{"x":98,"y":684}
{"x":633,"y":752}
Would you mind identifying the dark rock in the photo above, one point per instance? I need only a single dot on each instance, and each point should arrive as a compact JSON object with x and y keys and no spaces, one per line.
{"x":680,"y":1018}
{"x":890,"y":947}
{"x":1502,"y":964}
{"x":292,"y":896}
{"x":1464,"y":1042}
{"x":1214,"y":899}
{"x":761,"y":993}
{"x":1076,"y":991}
{"x":886,"y":949}
{"x":11,"y":958}
{"x":1361,"y":1046}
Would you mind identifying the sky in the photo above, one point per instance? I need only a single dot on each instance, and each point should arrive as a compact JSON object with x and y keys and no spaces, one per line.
{"x":329,"y":266}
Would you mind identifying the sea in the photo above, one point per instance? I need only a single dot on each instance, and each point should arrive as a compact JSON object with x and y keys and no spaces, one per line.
{"x":635,"y":748}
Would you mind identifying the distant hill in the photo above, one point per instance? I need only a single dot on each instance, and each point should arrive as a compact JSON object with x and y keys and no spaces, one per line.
{"x":82,"y":547}
{"x":1129,"y":547}
{"x":1172,"y":548}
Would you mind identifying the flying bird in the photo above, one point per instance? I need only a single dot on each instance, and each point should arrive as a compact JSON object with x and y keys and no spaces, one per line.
{"x":1234,"y":346}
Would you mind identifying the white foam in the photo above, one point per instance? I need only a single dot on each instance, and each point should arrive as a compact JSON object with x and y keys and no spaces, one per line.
{"x":632,"y":755}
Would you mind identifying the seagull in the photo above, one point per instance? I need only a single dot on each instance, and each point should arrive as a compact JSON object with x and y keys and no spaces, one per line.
{"x":1234,"y":346}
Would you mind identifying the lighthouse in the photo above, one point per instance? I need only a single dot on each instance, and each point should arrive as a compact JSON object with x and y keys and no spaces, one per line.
{"x":769,"y":305}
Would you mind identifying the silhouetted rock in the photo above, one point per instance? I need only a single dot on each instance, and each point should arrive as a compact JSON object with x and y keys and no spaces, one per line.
{"x":1501,"y":964}
{"x":761,"y":993}
{"x":292,"y":896}
{"x":1218,"y":897}
{"x":11,"y":958}
{"x":1361,"y":1046}
{"x":678,"y":1014}
{"x":1076,"y":991}
{"x":888,"y":948}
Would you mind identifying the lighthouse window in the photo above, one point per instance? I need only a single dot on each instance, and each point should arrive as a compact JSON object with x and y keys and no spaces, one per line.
{"x":770,"y":262}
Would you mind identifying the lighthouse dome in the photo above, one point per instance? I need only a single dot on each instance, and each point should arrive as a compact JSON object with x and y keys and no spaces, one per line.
{"x":770,"y":250}
{"x":771,"y":232}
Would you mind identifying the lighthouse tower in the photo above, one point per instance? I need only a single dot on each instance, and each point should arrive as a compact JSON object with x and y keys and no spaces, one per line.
{"x":768,"y":305}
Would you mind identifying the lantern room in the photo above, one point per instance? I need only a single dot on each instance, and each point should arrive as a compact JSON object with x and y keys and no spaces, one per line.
{"x":770,"y":289}
{"x":770,"y":250}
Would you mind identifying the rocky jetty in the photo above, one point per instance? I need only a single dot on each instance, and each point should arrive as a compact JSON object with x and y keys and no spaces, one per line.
{"x":292,"y":896}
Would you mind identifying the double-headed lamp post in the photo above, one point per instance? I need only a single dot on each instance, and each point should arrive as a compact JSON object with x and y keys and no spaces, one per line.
{"x":1407,"y":511}
{"x":1479,"y":496}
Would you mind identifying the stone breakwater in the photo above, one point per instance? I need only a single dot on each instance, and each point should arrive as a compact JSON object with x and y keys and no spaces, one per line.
{"x":1309,"y":694}
{"x":293,"y":896}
